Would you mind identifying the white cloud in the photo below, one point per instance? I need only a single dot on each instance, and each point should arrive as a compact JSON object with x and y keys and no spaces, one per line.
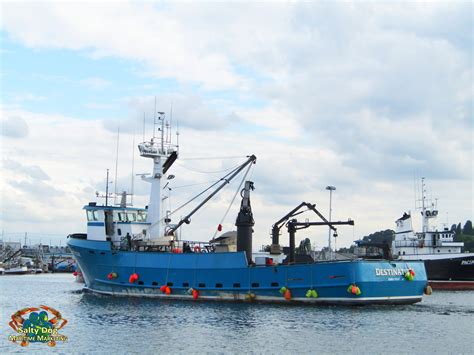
{"x":32,"y":171}
{"x":27,"y":97}
{"x":95,"y":83}
{"x":285,"y":174}
{"x":361,"y":96}
{"x":13,"y":126}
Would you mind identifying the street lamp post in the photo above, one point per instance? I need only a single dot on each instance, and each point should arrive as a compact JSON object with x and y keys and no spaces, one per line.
{"x":331,"y":189}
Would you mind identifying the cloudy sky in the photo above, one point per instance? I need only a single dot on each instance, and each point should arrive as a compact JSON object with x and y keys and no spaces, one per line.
{"x":367,"y":97}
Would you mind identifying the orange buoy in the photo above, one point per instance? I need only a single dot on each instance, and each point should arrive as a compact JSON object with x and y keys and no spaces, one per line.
{"x":163,"y":288}
{"x":288,"y":294}
{"x":167,"y":290}
{"x":133,"y":277}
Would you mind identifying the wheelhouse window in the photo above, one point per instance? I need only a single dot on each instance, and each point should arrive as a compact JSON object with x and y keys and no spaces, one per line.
{"x":132,"y":217}
{"x":122,"y":217}
{"x":92,"y":215}
{"x":141,"y":216}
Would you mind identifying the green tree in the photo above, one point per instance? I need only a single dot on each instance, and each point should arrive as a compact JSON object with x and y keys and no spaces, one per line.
{"x":468,"y":241}
{"x":467,"y":229}
{"x":458,"y":229}
{"x":385,"y":236}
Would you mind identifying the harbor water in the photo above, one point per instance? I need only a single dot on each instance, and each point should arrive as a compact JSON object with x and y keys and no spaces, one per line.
{"x":442,"y":323}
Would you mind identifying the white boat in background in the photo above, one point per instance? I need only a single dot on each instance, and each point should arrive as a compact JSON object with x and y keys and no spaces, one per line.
{"x":447,"y":267}
{"x":17,"y":270}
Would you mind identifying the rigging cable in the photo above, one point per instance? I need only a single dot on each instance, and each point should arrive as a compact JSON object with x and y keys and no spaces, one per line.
{"x":208,"y":172}
{"x":190,"y":185}
{"x":233,"y":199}
{"x":198,"y":195}
{"x":215,"y":158}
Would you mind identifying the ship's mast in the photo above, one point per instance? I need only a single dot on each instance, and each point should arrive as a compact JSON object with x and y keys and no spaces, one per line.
{"x":159,"y":150}
{"x":427,"y":212}
{"x":423,"y":206}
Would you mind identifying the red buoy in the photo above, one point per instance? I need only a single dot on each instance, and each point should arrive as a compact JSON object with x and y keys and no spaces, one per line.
{"x":163,"y":288}
{"x":219,"y":227}
{"x":195,"y":294}
{"x":133,"y":277}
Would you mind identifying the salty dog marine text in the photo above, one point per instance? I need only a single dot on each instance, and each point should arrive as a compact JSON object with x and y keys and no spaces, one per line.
{"x":42,"y":334}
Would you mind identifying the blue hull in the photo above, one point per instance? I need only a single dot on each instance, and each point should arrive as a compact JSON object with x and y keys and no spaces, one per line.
{"x":227,"y":277}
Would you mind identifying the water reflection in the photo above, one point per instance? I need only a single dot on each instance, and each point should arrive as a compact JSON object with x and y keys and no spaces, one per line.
{"x":129,"y":325}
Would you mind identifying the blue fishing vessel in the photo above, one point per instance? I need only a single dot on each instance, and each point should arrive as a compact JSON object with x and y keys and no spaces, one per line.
{"x":136,"y":252}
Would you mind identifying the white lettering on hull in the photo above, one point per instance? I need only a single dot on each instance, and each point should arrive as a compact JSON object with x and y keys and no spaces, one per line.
{"x":390,"y":272}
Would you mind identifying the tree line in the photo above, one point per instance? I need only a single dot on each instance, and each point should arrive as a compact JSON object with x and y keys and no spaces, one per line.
{"x":464,"y":234}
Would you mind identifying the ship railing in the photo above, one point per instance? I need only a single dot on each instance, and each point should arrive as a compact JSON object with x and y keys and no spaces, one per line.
{"x":193,"y":246}
{"x":419,"y":243}
{"x":138,"y":242}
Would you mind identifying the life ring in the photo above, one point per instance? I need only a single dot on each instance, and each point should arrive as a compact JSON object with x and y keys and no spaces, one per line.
{"x":197,"y":249}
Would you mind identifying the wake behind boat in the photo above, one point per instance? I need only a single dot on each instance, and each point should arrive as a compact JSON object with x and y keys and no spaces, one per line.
{"x":135,"y":252}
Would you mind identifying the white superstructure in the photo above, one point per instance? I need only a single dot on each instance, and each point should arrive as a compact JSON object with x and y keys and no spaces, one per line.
{"x":121,"y":223}
{"x":161,"y":150}
{"x":430,"y":241}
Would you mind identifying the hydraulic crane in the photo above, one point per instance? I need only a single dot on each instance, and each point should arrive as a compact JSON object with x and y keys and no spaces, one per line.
{"x":293,"y":225}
